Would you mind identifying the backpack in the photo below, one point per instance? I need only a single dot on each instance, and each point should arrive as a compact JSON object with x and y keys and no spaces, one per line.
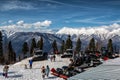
{"x":3,"y":74}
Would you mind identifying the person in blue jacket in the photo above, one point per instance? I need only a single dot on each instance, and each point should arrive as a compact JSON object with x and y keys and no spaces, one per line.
{"x":30,"y":63}
{"x":47,"y":71}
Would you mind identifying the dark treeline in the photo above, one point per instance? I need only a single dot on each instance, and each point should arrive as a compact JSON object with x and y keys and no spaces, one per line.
{"x":28,"y":51}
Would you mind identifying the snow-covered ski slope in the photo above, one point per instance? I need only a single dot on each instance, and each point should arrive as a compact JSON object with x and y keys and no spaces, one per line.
{"x":109,"y":70}
{"x":18,"y":72}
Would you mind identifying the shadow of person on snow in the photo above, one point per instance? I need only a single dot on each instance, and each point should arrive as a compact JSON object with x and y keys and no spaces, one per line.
{"x":52,"y":77}
{"x":15,"y":76}
{"x":11,"y":72}
{"x":58,"y":61}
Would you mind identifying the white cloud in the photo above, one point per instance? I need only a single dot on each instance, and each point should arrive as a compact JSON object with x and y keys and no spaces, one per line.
{"x":115,"y":21}
{"x":10,"y":21}
{"x":16,"y":4}
{"x":9,"y":27}
{"x":22,"y":26}
{"x":37,"y":24}
{"x":45,"y":23}
{"x":20,"y":23}
{"x":91,"y":20}
{"x":7,"y":22}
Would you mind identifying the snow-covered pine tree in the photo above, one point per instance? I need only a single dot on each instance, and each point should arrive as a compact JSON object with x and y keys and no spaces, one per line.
{"x":54,"y":46}
{"x":1,"y":49}
{"x":62,"y":49}
{"x":92,"y":45}
{"x":11,"y":53}
{"x":33,"y":45}
{"x":40,"y":44}
{"x":68,"y":44}
{"x":110,"y":47}
{"x":25,"y":48}
{"x":78,"y":45}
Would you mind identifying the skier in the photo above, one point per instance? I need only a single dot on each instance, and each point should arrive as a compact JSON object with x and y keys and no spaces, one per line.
{"x":5,"y":71}
{"x":47,"y":70}
{"x":30,"y":63}
{"x":43,"y":72}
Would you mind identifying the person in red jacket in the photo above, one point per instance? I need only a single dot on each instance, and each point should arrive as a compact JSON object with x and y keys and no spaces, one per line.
{"x":105,"y":58}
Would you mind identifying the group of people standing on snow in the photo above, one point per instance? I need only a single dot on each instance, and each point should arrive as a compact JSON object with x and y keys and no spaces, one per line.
{"x":45,"y":71}
{"x":30,"y":64}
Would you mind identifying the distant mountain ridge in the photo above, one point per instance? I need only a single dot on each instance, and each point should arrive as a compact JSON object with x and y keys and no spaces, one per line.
{"x":111,"y":29}
{"x":100,"y":35}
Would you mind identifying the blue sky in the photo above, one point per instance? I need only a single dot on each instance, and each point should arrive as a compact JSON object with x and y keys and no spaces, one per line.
{"x":55,"y":14}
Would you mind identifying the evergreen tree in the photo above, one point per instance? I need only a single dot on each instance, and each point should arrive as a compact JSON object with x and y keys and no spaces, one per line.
{"x":40,"y":44}
{"x":68,"y":44}
{"x":92,"y":45}
{"x":33,"y":45}
{"x":25,"y":48}
{"x":97,"y":48}
{"x":11,"y":53}
{"x":54,"y":46}
{"x":78,"y":45}
{"x":14,"y":56}
{"x":62,"y":49}
{"x":115,"y":48}
{"x":110,"y":46}
{"x":19,"y":58}
{"x":1,"y":49}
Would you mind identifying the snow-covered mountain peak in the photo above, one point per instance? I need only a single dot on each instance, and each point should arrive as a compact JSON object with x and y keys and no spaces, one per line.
{"x":7,"y":33}
{"x":87,"y":31}
{"x":114,"y":29}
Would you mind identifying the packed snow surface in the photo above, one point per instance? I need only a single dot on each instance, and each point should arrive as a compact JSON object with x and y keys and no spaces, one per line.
{"x":18,"y":72}
{"x":109,"y":70}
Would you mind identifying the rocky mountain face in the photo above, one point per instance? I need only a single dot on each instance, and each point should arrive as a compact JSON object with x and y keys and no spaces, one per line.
{"x":18,"y":38}
{"x":101,"y":35}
